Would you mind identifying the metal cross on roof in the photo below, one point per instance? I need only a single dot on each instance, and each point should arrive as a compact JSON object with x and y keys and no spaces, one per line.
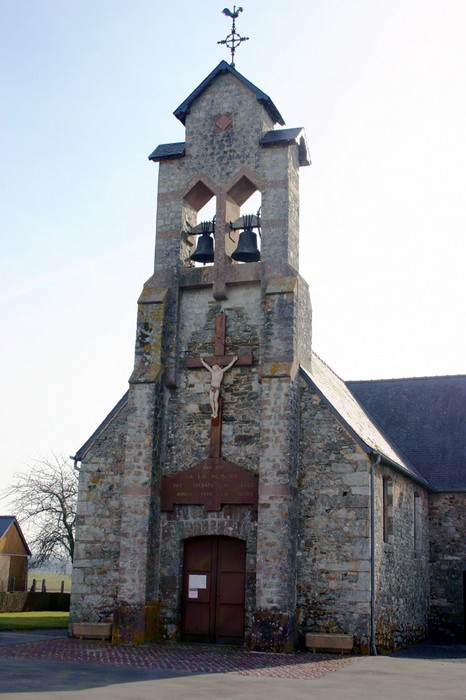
{"x":233,"y":39}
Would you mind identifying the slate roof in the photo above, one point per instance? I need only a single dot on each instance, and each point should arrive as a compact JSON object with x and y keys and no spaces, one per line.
{"x":426,"y":418}
{"x":5,"y":522}
{"x":284,"y":137}
{"x":341,"y":402}
{"x":223,"y":67}
{"x":168,"y":151}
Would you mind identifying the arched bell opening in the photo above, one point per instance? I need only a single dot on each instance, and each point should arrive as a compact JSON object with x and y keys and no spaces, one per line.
{"x":243,"y":239}
{"x":199,"y":233}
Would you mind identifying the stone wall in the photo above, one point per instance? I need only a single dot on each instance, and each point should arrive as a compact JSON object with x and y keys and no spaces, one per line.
{"x":235,"y":146}
{"x":187,"y":429}
{"x":274,"y":627}
{"x":447,"y":512}
{"x":94,"y":587}
{"x":333,"y":526}
{"x":401,"y":561}
{"x":334,"y":571}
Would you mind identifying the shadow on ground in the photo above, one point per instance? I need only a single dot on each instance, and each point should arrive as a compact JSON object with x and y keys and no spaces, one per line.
{"x":53,"y":676}
{"x":436,"y":649}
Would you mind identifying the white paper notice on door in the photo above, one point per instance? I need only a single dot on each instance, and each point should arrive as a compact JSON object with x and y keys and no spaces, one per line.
{"x":197,"y":581}
{"x":193,"y":593}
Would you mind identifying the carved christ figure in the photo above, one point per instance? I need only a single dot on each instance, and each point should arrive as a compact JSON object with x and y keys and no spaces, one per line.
{"x":216,"y":378}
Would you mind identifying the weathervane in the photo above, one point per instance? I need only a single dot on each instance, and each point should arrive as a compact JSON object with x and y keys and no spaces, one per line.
{"x":233,"y":40}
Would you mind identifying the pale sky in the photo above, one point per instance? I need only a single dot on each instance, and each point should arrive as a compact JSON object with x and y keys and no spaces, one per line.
{"x":88,"y":91}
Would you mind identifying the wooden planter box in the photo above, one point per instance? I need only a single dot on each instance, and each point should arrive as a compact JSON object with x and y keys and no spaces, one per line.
{"x":336,"y":643}
{"x":92,"y":630}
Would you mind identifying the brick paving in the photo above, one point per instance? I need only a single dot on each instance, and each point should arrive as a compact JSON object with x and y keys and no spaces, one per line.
{"x":189,"y":658}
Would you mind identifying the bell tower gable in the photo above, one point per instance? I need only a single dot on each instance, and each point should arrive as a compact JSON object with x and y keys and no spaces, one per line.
{"x":224,"y":68}
{"x":225,"y":125}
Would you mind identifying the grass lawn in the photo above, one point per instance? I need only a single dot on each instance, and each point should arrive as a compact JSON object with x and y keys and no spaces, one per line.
{"x":41,"y":620}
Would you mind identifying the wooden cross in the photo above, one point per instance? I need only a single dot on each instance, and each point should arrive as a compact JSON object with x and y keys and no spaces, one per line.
{"x":218,"y":358}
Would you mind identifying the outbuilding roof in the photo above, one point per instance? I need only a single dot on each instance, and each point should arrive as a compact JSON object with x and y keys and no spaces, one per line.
{"x":7,"y":521}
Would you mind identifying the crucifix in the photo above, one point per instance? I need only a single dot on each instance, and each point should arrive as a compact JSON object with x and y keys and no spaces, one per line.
{"x":222,"y":361}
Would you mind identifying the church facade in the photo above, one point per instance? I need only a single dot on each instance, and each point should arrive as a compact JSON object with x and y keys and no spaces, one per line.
{"x":241,"y":492}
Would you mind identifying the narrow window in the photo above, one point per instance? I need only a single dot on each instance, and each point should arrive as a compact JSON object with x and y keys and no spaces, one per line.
{"x":387,"y":510}
{"x":417,"y":524}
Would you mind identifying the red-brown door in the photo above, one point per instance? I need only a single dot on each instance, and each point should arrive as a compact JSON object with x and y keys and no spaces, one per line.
{"x":213,"y":590}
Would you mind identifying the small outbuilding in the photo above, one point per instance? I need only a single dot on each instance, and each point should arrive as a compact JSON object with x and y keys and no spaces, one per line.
{"x":14,"y":555}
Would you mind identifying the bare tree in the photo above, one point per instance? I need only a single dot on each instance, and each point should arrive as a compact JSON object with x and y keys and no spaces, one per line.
{"x":45,"y":498}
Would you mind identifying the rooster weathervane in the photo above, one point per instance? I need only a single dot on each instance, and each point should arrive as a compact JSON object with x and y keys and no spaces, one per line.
{"x":233,"y":39}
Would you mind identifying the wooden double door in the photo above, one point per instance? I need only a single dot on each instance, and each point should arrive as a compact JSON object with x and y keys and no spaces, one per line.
{"x":213,"y":590}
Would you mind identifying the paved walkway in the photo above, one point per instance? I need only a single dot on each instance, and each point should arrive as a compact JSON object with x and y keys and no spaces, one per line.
{"x":188,"y":658}
{"x":39,"y":667}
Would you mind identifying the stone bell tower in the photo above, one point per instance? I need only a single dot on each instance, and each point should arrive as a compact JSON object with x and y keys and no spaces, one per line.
{"x":207,"y":530}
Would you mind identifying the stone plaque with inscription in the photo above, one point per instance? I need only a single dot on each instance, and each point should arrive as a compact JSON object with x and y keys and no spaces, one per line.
{"x":212,"y":483}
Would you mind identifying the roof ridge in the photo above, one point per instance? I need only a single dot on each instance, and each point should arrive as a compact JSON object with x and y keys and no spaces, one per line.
{"x":81,"y":453}
{"x":328,"y":366}
{"x":407,"y":379}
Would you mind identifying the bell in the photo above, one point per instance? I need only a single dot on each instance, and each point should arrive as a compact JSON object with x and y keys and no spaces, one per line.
{"x":204,"y":252}
{"x":247,"y":250}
